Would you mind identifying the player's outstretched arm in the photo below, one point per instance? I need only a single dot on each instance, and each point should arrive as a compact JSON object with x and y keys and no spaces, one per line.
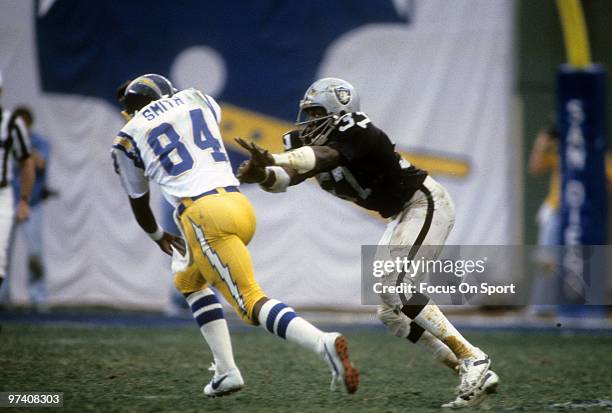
{"x":145,"y":218}
{"x":275,"y":172}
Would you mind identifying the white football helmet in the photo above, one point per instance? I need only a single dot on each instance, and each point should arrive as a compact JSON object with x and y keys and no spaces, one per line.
{"x":335,"y":97}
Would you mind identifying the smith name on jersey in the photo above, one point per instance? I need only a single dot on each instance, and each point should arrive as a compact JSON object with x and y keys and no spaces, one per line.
{"x":372,"y":174}
{"x":164,"y":142}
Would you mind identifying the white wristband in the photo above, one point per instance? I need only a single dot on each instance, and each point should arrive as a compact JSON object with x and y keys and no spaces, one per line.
{"x":267,"y":174}
{"x":157,"y":235}
{"x":281,"y":181}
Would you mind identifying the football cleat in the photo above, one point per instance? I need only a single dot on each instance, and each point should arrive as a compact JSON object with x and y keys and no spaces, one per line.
{"x":472,"y":399}
{"x":472,"y":372}
{"x":491,"y":382}
{"x":336,"y":355}
{"x":223,"y":384}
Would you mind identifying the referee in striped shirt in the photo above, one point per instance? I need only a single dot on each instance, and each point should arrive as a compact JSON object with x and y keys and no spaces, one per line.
{"x":14,"y":147}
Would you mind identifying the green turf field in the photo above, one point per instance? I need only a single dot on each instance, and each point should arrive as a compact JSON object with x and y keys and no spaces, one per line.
{"x":106,"y":369}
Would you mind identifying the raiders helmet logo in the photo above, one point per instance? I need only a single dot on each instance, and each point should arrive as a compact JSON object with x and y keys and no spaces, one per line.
{"x":342,"y":94}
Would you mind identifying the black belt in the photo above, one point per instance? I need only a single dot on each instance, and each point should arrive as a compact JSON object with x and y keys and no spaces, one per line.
{"x":182,"y":207}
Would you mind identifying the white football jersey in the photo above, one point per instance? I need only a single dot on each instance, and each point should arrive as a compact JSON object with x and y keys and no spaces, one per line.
{"x":175,"y":142}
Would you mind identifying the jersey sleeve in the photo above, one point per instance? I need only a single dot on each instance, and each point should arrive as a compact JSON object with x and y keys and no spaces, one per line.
{"x":128,"y":165}
{"x":355,"y":137}
{"x":22,"y":146}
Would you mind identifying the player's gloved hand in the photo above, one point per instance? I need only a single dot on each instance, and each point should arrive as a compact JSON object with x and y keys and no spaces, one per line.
{"x":249,"y":173}
{"x":167,"y":241}
{"x":260,"y":157}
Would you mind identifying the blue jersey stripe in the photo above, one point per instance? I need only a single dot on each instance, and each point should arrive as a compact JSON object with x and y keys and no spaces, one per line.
{"x":136,"y":150}
{"x":131,"y":155}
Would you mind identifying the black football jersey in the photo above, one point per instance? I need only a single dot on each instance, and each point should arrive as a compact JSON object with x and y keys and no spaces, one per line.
{"x":371,"y":173}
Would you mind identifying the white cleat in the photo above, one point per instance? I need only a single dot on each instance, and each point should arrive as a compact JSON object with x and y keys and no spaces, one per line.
{"x":335,"y":348}
{"x":472,"y":372}
{"x":226,"y":383}
{"x":474,"y":398}
{"x":491,"y":382}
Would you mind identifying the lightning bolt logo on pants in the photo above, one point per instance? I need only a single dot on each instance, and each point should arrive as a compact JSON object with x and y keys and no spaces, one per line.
{"x":217,"y":264}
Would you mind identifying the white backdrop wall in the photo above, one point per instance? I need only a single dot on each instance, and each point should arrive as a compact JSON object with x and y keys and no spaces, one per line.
{"x":440,"y":86}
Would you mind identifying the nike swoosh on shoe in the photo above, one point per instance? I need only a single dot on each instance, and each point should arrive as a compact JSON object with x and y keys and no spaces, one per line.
{"x":217,"y":383}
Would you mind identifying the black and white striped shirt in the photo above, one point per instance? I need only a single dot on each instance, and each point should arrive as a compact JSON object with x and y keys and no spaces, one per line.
{"x":15,"y":141}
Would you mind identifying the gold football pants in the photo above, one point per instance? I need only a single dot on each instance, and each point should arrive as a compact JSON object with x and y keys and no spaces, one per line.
{"x":218,"y":228}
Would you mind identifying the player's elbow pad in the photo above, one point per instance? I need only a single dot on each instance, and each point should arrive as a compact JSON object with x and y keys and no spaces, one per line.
{"x":281,"y":180}
{"x":302,"y":159}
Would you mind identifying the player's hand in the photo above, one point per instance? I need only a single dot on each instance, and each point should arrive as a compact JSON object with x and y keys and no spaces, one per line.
{"x":23,"y":211}
{"x":168,"y":241}
{"x":260,"y":157}
{"x":249,"y":173}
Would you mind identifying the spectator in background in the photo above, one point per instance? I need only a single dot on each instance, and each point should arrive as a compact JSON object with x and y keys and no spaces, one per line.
{"x":32,"y":229}
{"x":544,"y":159}
{"x":14,"y":145}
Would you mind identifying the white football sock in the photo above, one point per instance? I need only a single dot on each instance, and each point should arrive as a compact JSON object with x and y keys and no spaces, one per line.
{"x":432,"y":320}
{"x":208,"y":313}
{"x":282,"y":320}
{"x":431,"y":344}
{"x":401,"y":326}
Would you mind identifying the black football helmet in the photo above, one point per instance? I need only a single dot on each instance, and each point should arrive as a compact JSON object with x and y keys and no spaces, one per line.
{"x":144,"y":90}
